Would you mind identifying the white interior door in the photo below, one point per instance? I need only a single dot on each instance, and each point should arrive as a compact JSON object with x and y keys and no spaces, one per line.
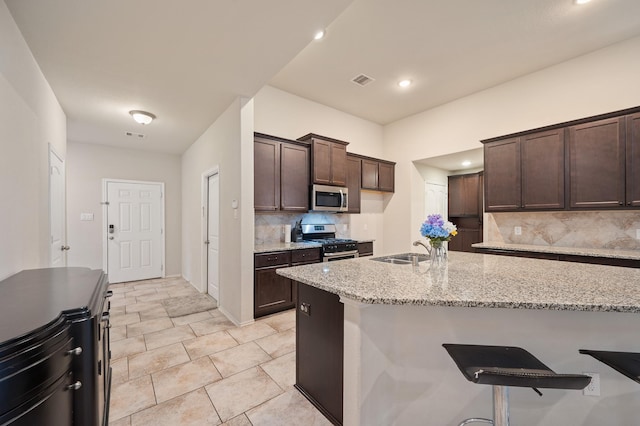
{"x":213,"y":235}
{"x":134,"y":231}
{"x":57,"y":248}
{"x":435,"y":199}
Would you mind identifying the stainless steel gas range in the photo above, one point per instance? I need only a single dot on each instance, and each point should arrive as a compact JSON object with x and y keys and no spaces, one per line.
{"x":332,"y":248}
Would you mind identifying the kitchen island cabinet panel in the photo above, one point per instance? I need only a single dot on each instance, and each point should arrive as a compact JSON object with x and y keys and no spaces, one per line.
{"x":633,"y":160}
{"x":597,"y":164}
{"x":320,"y":349}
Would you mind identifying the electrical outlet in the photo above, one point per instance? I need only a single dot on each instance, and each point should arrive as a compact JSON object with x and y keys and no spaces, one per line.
{"x":593,"y":388}
{"x":517,"y":230}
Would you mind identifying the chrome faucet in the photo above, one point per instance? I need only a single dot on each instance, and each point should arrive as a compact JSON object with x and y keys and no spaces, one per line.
{"x":418,"y":242}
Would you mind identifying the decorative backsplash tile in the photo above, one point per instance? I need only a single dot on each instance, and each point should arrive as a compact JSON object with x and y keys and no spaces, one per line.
{"x":592,"y":229}
{"x":269,"y":227}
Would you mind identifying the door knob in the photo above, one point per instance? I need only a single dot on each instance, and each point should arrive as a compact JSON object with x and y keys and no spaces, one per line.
{"x":63,"y":248}
{"x":111,"y":238}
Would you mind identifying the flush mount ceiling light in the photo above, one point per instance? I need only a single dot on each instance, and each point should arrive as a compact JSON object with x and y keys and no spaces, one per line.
{"x":142,"y":117}
{"x":404,"y":83}
{"x":466,"y":163}
{"x":319,"y":35}
{"x":581,"y":1}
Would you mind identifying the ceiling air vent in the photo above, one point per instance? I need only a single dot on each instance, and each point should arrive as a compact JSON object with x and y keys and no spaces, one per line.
{"x":362,"y":80}
{"x":135,"y":135}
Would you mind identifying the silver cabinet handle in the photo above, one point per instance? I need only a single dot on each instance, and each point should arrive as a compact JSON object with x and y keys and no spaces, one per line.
{"x":75,"y":351}
{"x":75,"y":386}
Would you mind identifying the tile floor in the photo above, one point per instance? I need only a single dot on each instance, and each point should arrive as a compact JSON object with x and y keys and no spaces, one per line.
{"x":200,"y":369}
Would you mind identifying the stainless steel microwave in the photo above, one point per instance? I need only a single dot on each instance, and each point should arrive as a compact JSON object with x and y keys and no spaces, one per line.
{"x":325,"y":198}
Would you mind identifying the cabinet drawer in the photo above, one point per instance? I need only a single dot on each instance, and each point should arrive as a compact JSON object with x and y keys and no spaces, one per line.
{"x":365,"y":249}
{"x":278,"y":258}
{"x":305,"y":255}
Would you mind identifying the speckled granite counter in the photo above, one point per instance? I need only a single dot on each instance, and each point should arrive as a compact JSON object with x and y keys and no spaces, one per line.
{"x":576,"y":251}
{"x":265,"y":248}
{"x":479,"y":280}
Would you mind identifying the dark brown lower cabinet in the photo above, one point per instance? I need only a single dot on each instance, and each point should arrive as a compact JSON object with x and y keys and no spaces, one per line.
{"x":320,"y":350}
{"x":594,"y":260}
{"x":365,"y":249}
{"x":469,"y":232}
{"x":272,"y":292}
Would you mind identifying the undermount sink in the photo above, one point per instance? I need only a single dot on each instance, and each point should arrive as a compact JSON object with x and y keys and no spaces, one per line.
{"x":401,"y":259}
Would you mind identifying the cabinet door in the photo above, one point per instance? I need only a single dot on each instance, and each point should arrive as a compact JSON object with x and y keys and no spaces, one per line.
{"x":502,"y":175}
{"x":294,"y":178}
{"x":353,"y":183}
{"x":543,"y":170}
{"x":338,"y":164}
{"x":597,"y":164}
{"x":272,"y":292}
{"x":369,"y":174}
{"x":456,"y":196}
{"x":386,"y":178}
{"x":470,"y":189}
{"x":633,"y":160}
{"x":321,"y":162}
{"x":266,"y":178}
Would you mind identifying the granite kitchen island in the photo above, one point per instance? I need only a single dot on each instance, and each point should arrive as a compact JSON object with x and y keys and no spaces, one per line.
{"x":396,"y":318}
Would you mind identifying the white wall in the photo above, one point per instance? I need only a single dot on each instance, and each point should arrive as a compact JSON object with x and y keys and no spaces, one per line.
{"x":87,"y":165}
{"x":600,"y":82}
{"x":228,"y":144}
{"x":30,"y":119}
{"x":285,"y":115}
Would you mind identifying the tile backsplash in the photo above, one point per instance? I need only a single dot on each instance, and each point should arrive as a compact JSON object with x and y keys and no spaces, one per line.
{"x":592,"y":229}
{"x":269,"y":227}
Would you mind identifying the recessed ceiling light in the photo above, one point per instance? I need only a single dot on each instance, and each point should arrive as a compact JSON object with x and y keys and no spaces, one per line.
{"x":404,"y":83}
{"x":319,"y":35}
{"x":581,"y":1}
{"x":142,"y":117}
{"x":466,"y":163}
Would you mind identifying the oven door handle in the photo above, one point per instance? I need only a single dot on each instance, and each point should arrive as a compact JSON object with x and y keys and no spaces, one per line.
{"x":352,"y":253}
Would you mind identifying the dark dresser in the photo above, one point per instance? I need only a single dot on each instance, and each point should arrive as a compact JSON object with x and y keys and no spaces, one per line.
{"x":54,"y":348}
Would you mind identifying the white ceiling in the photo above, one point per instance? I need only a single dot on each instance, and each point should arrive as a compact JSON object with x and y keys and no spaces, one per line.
{"x":186,"y":61}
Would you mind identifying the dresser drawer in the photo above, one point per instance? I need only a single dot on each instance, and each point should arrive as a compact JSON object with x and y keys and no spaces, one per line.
{"x":309,"y":255}
{"x":277,"y":258}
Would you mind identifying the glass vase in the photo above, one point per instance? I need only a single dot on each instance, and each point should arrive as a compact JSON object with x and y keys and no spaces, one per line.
{"x":438,"y":253}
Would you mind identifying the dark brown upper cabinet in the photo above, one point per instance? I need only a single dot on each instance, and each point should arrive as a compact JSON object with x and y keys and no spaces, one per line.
{"x":378,"y":175}
{"x":353,"y":183}
{"x":502,"y":175}
{"x":590,"y":163}
{"x":465,"y":195}
{"x":597,"y":164}
{"x":525,"y":172}
{"x":543,"y":171}
{"x":633,"y":160}
{"x":328,"y":159}
{"x":281,"y":174}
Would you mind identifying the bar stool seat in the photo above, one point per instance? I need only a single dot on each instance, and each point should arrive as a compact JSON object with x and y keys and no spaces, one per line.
{"x":627,"y":363}
{"x":503,"y":366}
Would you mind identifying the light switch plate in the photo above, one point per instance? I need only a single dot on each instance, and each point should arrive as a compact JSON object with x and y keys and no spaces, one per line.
{"x":517,"y":230}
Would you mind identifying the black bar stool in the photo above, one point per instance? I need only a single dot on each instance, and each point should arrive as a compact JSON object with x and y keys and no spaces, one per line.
{"x":627,"y":363}
{"x":503,"y":366}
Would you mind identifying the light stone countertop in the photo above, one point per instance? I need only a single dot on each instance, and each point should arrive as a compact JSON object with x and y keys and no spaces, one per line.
{"x":266,"y":248}
{"x":479,"y":280}
{"x":578,"y":251}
